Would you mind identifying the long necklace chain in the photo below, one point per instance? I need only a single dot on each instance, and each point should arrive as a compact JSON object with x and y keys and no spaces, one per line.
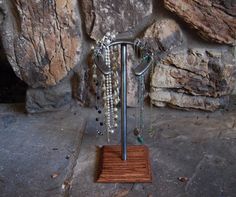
{"x":116,"y":89}
{"x":108,"y":97}
{"x":141,"y":102}
{"x":151,"y":131}
{"x":139,"y":110}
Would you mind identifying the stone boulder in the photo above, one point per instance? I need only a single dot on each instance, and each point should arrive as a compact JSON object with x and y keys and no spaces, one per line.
{"x":113,"y":16}
{"x":213,"y":19}
{"x":194,"y":78}
{"x":163,"y":35}
{"x":49,"y":99}
{"x":41,"y":39}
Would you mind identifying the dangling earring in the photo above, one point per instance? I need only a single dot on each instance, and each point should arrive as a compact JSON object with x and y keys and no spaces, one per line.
{"x":139,"y":122}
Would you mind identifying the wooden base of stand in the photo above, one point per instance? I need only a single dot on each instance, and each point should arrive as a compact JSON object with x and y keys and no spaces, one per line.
{"x":135,"y":169}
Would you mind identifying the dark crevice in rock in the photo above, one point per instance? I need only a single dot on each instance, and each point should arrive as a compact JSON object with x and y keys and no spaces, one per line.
{"x":12,"y":89}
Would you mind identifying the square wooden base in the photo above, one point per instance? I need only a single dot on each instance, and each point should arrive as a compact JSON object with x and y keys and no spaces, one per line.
{"x":135,"y":169}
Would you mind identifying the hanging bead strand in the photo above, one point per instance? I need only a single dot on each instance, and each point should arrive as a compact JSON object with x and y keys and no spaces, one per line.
{"x":106,"y":105}
{"x":108,"y":97}
{"x":115,"y":84}
{"x":97,"y":96}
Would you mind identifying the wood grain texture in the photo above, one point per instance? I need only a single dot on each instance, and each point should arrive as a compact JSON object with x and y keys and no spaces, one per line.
{"x":135,"y":169}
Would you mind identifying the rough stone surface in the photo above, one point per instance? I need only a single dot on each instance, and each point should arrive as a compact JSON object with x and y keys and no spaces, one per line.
{"x":48,"y":99}
{"x":214,"y":19}
{"x":194,"y":79}
{"x":41,"y":39}
{"x":38,"y":152}
{"x":163,"y":97}
{"x":163,"y":35}
{"x":114,"y":16}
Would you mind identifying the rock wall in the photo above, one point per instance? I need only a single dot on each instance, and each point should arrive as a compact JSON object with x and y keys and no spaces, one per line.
{"x":193,"y":79}
{"x":41,"y":39}
{"x":48,"y":42}
{"x":213,"y":19}
{"x":101,"y":16}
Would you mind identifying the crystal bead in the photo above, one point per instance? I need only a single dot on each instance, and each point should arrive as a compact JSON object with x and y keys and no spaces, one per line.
{"x":112,"y":131}
{"x":140,"y":139}
{"x":99,"y":132}
{"x":136,"y":132}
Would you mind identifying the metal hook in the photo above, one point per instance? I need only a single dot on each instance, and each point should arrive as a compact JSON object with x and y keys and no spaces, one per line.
{"x":143,"y":66}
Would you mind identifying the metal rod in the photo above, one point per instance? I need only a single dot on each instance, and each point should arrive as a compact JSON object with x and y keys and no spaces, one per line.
{"x":124,"y":101}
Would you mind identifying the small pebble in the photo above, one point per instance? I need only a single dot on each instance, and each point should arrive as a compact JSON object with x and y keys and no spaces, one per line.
{"x":183,"y":179}
{"x":54,"y":175}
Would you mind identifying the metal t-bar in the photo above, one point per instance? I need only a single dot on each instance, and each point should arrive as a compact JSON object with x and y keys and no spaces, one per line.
{"x":124,"y":101}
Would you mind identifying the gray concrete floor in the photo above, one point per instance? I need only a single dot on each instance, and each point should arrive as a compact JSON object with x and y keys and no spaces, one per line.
{"x":197,"y":145}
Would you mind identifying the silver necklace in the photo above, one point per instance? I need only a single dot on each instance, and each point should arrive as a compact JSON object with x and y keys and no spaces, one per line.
{"x":107,"y":85}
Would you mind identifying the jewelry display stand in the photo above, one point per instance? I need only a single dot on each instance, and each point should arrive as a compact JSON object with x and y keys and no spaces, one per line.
{"x":122,"y":163}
